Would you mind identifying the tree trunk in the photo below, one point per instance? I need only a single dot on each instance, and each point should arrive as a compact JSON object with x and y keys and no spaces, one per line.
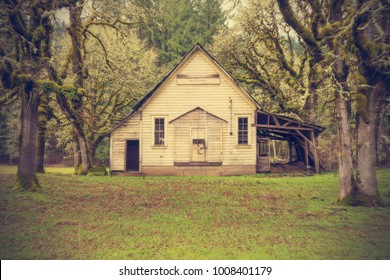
{"x":379,"y":131}
{"x":312,"y":100}
{"x":76,"y":151}
{"x":347,"y":188}
{"x":26,"y":178}
{"x":85,"y":160}
{"x":78,"y":130}
{"x":367,"y":189}
{"x":92,"y":150}
{"x":42,"y":127}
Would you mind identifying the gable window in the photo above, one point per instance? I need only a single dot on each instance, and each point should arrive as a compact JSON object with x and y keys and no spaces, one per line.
{"x":243,"y":131}
{"x":159,"y":131}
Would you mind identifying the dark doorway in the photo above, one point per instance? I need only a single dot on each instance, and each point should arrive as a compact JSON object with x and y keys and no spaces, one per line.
{"x":132,"y":155}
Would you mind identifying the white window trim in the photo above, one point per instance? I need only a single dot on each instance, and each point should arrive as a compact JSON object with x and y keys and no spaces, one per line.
{"x":249,"y":131}
{"x":154,"y":129}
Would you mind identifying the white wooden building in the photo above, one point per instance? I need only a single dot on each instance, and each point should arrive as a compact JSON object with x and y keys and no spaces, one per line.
{"x":199,"y":121}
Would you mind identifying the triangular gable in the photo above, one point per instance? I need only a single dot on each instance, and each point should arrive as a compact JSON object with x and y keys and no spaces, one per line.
{"x":200,"y":112}
{"x":197,"y":47}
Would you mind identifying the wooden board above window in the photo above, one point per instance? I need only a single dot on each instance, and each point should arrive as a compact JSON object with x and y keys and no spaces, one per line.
{"x":212,"y":79}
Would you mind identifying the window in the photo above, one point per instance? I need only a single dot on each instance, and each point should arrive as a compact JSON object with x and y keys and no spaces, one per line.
{"x":159,"y":132}
{"x":243,"y":131}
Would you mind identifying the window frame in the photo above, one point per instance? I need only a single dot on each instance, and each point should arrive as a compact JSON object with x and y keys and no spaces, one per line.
{"x":239,"y":131}
{"x":164,"y":130}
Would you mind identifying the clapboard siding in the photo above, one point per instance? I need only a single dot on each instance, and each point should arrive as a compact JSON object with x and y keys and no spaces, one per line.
{"x":129,"y":129}
{"x":214,"y":144}
{"x":172,"y":101}
{"x":184,"y":127}
{"x":182,"y":143}
{"x":209,"y":108}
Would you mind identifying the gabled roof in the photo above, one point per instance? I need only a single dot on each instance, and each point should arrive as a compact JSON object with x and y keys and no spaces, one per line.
{"x":146,"y":97}
{"x":193,"y":50}
{"x":197,"y":109}
{"x":197,"y":47}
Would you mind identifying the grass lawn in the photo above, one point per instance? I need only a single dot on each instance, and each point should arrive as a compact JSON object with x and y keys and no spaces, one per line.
{"x":243,"y":217}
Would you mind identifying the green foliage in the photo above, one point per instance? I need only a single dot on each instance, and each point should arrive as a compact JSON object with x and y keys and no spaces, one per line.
{"x":102,"y":152}
{"x":9,"y":131}
{"x":178,"y":25}
{"x":237,"y":217}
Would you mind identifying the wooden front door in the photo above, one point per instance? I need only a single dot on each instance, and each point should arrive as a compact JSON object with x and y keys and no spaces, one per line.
{"x":132,"y":155}
{"x":198,"y":144}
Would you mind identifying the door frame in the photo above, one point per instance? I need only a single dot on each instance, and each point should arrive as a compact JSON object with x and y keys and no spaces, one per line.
{"x":192,"y":138}
{"x":139,"y":153}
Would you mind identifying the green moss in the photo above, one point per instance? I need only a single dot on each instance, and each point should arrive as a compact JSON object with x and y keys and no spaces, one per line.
{"x":78,"y":170}
{"x":336,"y":24}
{"x":48,"y":86}
{"x":42,"y":112}
{"x":99,"y":170}
{"x":325,"y":31}
{"x":360,"y":79}
{"x":361,"y":200}
{"x":81,"y":91}
{"x":23,"y":78}
{"x":23,"y":183}
{"x":34,"y":3}
{"x":68,"y":90}
{"x":38,"y":34}
{"x":361,"y":101}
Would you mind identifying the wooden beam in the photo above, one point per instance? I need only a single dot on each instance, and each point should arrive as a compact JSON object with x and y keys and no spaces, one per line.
{"x":307,"y":139}
{"x":306,"y":153}
{"x":282,"y":131}
{"x":300,"y":141}
{"x":276,"y":120}
{"x":284,"y":127}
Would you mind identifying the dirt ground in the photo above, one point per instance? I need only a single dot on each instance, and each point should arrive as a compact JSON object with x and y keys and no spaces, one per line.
{"x":288,"y":168}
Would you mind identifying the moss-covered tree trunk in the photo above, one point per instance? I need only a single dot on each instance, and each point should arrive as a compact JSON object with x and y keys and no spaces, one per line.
{"x":383,"y":105}
{"x":71,"y":115}
{"x":42,"y":127}
{"x":75,"y":11}
{"x":371,"y":33}
{"x":76,"y":151}
{"x":367,"y":189}
{"x":346,"y":179}
{"x":312,"y":100}
{"x":29,"y":25}
{"x":26,"y":173}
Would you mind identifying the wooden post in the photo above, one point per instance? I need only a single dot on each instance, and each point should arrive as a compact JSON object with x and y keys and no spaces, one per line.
{"x":306,"y":153}
{"x":315,"y":154}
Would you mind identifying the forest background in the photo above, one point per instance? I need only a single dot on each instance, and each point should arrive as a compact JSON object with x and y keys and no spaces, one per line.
{"x":71,"y":70}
